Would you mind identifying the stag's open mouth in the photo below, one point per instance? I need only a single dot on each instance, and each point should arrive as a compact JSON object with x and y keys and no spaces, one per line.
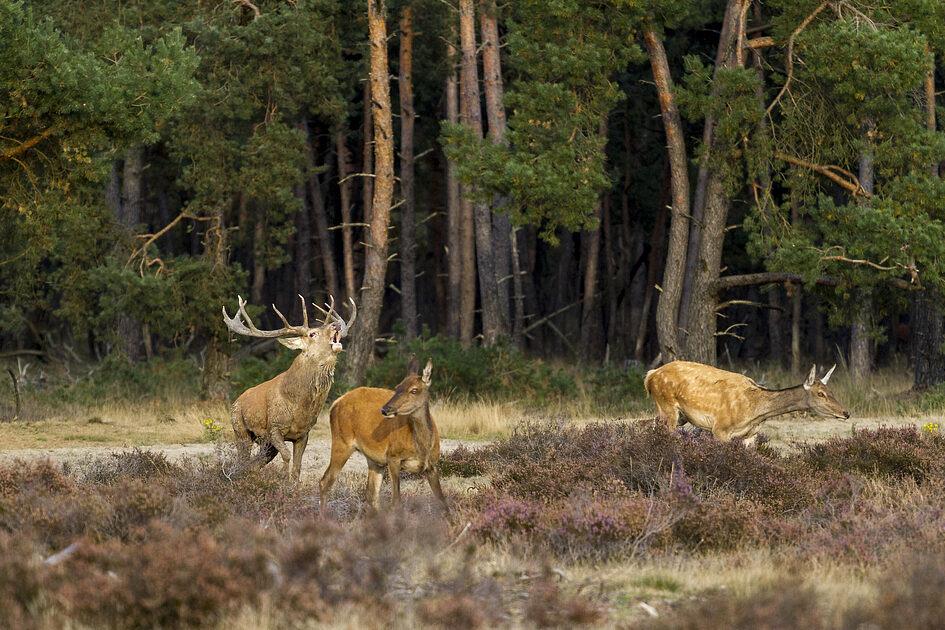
{"x":336,"y":340}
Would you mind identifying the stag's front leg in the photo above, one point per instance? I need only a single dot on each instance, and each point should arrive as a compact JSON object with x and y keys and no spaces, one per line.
{"x":298,"y":448}
{"x":374,"y":476}
{"x":279,"y":442}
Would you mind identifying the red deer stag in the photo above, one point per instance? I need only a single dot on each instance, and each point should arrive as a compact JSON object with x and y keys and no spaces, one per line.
{"x":732,"y":405}
{"x":392,"y":429}
{"x":286,"y":407}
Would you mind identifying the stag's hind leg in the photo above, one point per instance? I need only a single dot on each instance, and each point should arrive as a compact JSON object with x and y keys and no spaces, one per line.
{"x":278,"y":441}
{"x":244,"y":439}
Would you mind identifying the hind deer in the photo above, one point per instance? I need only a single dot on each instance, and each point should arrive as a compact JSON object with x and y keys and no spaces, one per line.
{"x":731,"y":405}
{"x":286,"y":407}
{"x":392,"y":429}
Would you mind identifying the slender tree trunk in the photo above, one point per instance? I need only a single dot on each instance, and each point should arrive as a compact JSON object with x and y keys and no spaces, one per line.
{"x":320,"y":219}
{"x":589,"y":325}
{"x":928,"y":315}
{"x":796,"y":316}
{"x":455,"y":245}
{"x":408,"y":237}
{"x":667,"y":309}
{"x":347,"y":231}
{"x":470,"y":108}
{"x":860,"y":342}
{"x":367,"y":155}
{"x":701,"y":325}
{"x":495,"y":113}
{"x":130,"y":214}
{"x":259,"y":260}
{"x":652,"y":277}
{"x":375,"y":267}
{"x":303,"y":249}
{"x":775,"y":338}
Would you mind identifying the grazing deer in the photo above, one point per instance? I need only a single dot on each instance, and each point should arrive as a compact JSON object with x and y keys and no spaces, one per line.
{"x":732,"y":405}
{"x":390,"y":428}
{"x":286,"y":407}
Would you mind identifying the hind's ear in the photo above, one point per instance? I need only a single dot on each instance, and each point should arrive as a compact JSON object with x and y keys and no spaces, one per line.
{"x":413,"y":367}
{"x":427,"y":373}
{"x":811,"y":377}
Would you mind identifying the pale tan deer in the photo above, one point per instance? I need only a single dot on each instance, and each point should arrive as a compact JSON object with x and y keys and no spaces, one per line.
{"x":286,"y":407}
{"x":732,"y":405}
{"x":392,"y":429}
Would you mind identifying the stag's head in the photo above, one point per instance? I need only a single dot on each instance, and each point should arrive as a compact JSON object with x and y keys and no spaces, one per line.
{"x":322,"y":342}
{"x":821,"y":401}
{"x":412,"y":394}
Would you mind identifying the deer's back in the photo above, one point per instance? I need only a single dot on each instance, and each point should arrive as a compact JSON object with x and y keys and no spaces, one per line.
{"x":356,"y":419}
{"x":706,"y":395}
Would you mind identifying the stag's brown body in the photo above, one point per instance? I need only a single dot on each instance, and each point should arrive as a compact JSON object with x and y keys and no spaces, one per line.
{"x":286,"y":407}
{"x":728,"y":404}
{"x":393,"y":429}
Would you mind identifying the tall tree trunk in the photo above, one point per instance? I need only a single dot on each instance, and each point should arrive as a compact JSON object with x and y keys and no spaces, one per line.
{"x":129,"y":216}
{"x":470,"y":108}
{"x":495,"y":113}
{"x":367,"y":158}
{"x":259,"y":259}
{"x":408,"y":237}
{"x":347,"y":231}
{"x":775,"y":338}
{"x":652,"y":277}
{"x":701,"y":325}
{"x":375,"y":266}
{"x":667,"y":309}
{"x":316,"y":194}
{"x":589,"y":326}
{"x":928,"y":316}
{"x":303,"y":249}
{"x":796,"y":316}
{"x":860,"y":331}
{"x":455,"y":245}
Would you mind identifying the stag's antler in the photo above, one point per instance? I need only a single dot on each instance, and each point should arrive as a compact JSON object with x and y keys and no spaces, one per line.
{"x":332,"y":318}
{"x":242,"y":324}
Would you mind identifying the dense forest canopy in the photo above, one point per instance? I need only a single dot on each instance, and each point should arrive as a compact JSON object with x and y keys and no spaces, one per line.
{"x":616,"y":180}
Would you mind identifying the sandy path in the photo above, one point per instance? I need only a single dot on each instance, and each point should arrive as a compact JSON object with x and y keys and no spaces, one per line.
{"x":314,"y":460}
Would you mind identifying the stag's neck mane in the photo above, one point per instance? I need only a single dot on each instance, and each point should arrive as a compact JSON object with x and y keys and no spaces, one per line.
{"x":309,"y":377}
{"x":774,"y":402}
{"x":421,"y":424}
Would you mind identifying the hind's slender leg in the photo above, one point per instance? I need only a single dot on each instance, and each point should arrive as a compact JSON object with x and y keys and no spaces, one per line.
{"x":374,"y":477}
{"x":339,"y":456}
{"x":668,"y":415}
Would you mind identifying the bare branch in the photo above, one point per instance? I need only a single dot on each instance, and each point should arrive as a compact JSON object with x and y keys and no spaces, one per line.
{"x":843,"y":178}
{"x":790,"y":54}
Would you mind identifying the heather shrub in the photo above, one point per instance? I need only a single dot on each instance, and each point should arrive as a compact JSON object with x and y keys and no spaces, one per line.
{"x":548,"y":607}
{"x":507,"y":517}
{"x":718,"y":523}
{"x":547,"y":462}
{"x":883,"y":452}
{"x":170,"y":579}
{"x":461,"y":462}
{"x":134,"y":464}
{"x":781,"y":605}
{"x":20,"y":582}
{"x":911,"y":595}
{"x":596,"y":528}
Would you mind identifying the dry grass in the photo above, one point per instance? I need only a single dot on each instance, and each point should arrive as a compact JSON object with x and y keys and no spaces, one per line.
{"x":116,"y":424}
